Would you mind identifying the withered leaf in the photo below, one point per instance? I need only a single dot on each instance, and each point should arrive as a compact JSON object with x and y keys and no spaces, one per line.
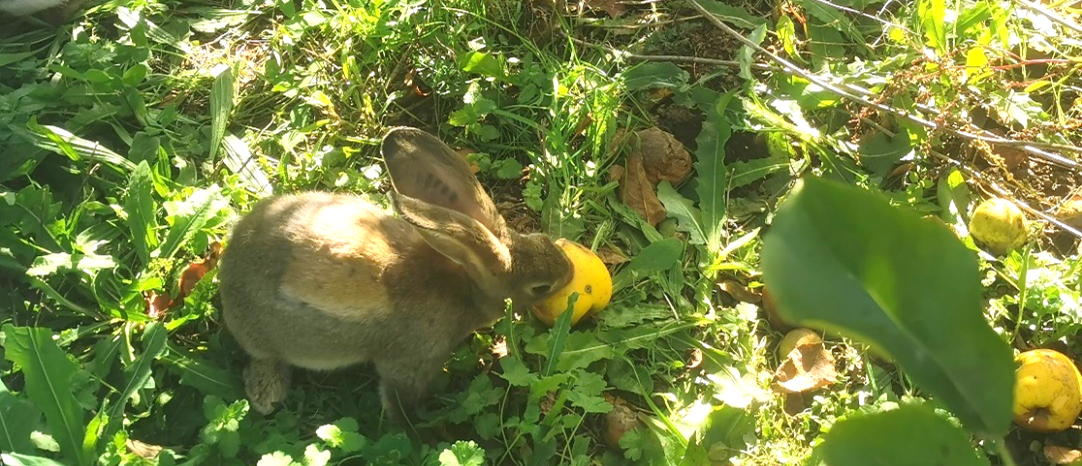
{"x":619,"y":421}
{"x":739,"y":292}
{"x":157,"y":304}
{"x":610,"y":256}
{"x":638,"y":192}
{"x":664,"y":157}
{"x":143,"y":450}
{"x":613,"y":7}
{"x":808,"y":367}
{"x":1061,"y":455}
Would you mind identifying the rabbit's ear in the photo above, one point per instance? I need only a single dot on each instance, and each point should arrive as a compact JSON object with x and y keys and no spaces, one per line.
{"x":424,"y":168}
{"x":459,"y":237}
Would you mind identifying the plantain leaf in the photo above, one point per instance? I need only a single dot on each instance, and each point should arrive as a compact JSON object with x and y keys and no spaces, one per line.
{"x":221,"y":107}
{"x":137,"y":373}
{"x":48,"y":373}
{"x":841,"y":258}
{"x":139,"y":205}
{"x":912,"y":435}
{"x":711,"y":176}
{"x":18,"y":419}
{"x":687,"y":216}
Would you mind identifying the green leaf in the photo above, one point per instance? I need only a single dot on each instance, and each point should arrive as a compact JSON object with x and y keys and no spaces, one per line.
{"x":137,"y":373}
{"x":189,"y":217}
{"x":221,"y":107}
{"x":516,"y":373}
{"x":879,"y":153}
{"x":747,"y":54}
{"x":65,"y":143}
{"x":559,"y":334}
{"x":49,"y":373}
{"x":342,"y":435}
{"x":277,"y":458}
{"x":139,"y":205}
{"x":484,"y":64}
{"x":240,"y":160}
{"x":932,"y":14}
{"x":654,"y":74}
{"x":734,"y":15}
{"x":50,"y":264}
{"x":681,"y":208}
{"x":912,"y":435}
{"x":659,"y":256}
{"x":586,"y":393}
{"x":463,"y":453}
{"x":711,"y":176}
{"x":18,"y":418}
{"x":202,"y":375}
{"x":15,"y":459}
{"x":843,"y":259}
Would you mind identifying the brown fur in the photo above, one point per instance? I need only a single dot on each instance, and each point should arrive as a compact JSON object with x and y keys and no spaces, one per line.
{"x":323,"y":281}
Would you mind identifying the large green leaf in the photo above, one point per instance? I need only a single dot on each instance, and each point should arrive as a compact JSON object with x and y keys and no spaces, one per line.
{"x":912,"y":435}
{"x":137,"y":373}
{"x":15,"y":459}
{"x":139,"y":205}
{"x":841,"y":258}
{"x":48,"y":373}
{"x":190,"y":216}
{"x":711,"y":176}
{"x":221,"y":107}
{"x":18,"y":419}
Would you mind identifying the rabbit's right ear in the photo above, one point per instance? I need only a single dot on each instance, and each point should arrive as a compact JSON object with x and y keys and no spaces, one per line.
{"x":422,"y":167}
{"x":458,"y":237}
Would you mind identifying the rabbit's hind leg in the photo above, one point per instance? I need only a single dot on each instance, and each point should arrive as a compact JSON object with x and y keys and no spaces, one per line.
{"x":403,"y":384}
{"x":266,"y":381}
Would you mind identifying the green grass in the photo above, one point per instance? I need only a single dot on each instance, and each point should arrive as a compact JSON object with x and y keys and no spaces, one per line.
{"x":133,"y":136}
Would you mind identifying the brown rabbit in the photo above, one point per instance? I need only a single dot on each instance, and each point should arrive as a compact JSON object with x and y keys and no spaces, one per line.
{"x":323,"y":281}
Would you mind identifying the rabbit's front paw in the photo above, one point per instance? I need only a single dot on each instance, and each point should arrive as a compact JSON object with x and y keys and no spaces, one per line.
{"x":266,"y":383}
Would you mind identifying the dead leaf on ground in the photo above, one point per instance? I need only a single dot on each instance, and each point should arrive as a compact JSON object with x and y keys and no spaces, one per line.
{"x":157,"y":304}
{"x":663,"y":156}
{"x":143,"y":450}
{"x":794,"y":404}
{"x":613,"y":7}
{"x":694,"y":358}
{"x":610,"y":256}
{"x":808,"y":367}
{"x":197,"y":269}
{"x":739,"y":292}
{"x":1061,"y":455}
{"x":638,"y":192}
{"x":619,"y":421}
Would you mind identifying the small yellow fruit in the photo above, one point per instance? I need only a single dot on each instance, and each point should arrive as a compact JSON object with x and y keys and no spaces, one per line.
{"x":999,"y":225}
{"x":795,"y":338}
{"x":589,"y":278}
{"x":1047,"y":391}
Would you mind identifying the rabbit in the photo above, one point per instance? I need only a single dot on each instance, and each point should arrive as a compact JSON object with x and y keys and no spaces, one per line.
{"x":324,"y":281}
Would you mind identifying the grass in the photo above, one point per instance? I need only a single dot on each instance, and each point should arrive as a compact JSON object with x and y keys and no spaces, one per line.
{"x":135,"y":135}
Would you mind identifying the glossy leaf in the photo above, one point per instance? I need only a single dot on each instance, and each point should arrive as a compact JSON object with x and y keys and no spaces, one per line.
{"x":49,"y":373}
{"x":841,"y":258}
{"x":909,"y":436}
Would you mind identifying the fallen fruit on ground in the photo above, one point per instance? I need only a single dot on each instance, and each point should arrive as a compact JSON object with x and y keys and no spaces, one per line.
{"x":795,"y":338}
{"x":999,"y":225}
{"x":590,"y":279}
{"x":1047,"y":391}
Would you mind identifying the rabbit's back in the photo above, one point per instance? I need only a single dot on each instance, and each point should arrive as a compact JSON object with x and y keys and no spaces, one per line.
{"x":303,"y":278}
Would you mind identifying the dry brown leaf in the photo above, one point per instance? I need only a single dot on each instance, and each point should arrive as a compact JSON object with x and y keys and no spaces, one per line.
{"x":663,"y":157}
{"x":610,"y":256}
{"x":1061,"y":455}
{"x":143,"y":450}
{"x":499,"y":347}
{"x":695,"y":358}
{"x":739,"y":292}
{"x":638,"y":192}
{"x":794,"y":404}
{"x":808,"y":367}
{"x":613,"y":7}
{"x":157,"y":304}
{"x":197,"y":269}
{"x":619,"y":421}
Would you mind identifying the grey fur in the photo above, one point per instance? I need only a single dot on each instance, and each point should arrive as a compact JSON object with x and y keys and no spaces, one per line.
{"x":323,"y":281}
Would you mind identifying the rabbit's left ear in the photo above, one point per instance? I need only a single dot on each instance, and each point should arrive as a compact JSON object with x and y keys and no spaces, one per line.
{"x":424,"y":168}
{"x":458,"y":237}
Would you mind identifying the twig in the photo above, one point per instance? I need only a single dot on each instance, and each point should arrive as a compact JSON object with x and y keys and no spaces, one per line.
{"x":789,"y":67}
{"x":672,"y":58}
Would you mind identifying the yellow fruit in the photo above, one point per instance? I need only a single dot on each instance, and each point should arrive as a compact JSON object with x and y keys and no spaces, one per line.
{"x":589,"y":278}
{"x":795,"y":338}
{"x":999,"y":225}
{"x":1047,"y":391}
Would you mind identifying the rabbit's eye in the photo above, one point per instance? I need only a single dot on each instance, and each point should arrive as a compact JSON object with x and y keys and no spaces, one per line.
{"x":540,"y":290}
